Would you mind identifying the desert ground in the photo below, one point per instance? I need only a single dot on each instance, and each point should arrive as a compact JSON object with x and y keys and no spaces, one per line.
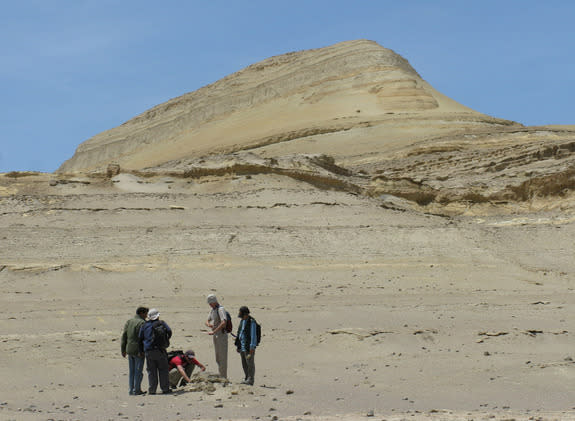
{"x":368,"y":311}
{"x":407,"y":257}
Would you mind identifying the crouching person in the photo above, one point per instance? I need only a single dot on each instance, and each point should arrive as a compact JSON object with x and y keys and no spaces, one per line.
{"x":181,"y":367}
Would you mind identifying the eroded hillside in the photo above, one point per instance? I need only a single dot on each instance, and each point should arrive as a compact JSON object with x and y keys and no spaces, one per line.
{"x":353,"y":117}
{"x":291,"y":98}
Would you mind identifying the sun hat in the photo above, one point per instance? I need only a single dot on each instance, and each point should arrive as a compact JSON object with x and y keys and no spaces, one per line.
{"x":153,"y":314}
{"x":212,"y":299}
{"x":190,"y":354}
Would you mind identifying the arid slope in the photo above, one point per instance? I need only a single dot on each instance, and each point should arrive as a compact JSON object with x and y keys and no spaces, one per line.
{"x":294,"y":96}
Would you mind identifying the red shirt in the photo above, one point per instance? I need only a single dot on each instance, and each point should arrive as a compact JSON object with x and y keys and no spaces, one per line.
{"x":176,"y":361}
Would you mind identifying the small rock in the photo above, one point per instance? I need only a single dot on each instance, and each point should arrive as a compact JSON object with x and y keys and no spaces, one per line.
{"x":219,"y":405}
{"x":289,"y":392}
{"x":307,"y":413}
{"x":370,"y":413}
{"x":493,"y":333}
{"x":112,"y":170}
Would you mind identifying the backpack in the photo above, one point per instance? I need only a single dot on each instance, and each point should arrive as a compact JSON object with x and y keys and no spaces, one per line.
{"x":160,"y":334}
{"x":258,"y":330}
{"x":229,"y":327}
{"x":176,"y":353}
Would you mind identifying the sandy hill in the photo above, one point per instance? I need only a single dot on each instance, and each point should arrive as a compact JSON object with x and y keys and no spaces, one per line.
{"x":307,"y":99}
{"x":379,"y":127}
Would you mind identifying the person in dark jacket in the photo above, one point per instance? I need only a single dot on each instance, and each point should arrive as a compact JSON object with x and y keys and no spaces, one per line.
{"x":246,"y":343}
{"x":131,"y":347}
{"x":155,"y":351}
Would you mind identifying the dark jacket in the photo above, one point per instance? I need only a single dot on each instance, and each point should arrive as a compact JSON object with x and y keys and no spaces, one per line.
{"x":147,"y":335}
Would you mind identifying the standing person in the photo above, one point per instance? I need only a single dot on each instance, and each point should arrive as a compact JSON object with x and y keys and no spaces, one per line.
{"x":246,"y":343}
{"x":131,"y":348}
{"x":155,"y":337}
{"x":217,"y":321}
{"x":182,"y":366}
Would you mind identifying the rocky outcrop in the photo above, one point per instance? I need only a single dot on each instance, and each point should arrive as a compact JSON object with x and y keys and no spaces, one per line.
{"x":318,"y":170}
{"x":515,"y":165}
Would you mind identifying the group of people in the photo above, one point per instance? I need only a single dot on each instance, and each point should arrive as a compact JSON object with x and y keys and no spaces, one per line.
{"x":146,"y":338}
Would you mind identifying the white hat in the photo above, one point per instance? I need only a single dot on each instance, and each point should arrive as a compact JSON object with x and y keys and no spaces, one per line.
{"x":153,"y":314}
{"x":212,"y":299}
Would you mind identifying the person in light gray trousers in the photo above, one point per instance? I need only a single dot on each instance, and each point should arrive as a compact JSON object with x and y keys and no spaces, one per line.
{"x":217,"y":321}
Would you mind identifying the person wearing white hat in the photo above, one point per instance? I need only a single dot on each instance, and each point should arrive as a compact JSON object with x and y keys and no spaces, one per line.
{"x":217,"y":321}
{"x":155,"y":337}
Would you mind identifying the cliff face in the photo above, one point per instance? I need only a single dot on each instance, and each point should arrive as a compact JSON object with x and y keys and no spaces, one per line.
{"x":283,"y":98}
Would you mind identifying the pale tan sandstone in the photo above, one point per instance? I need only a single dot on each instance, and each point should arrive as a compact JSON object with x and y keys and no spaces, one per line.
{"x":283,"y":98}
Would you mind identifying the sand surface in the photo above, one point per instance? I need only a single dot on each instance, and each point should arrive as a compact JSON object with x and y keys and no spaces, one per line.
{"x":367,"y":312}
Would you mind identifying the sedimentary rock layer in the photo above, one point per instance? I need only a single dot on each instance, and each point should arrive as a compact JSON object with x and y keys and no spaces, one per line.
{"x":284,"y":98}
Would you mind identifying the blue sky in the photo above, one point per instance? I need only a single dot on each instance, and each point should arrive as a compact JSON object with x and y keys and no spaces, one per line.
{"x":70,"y":69}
